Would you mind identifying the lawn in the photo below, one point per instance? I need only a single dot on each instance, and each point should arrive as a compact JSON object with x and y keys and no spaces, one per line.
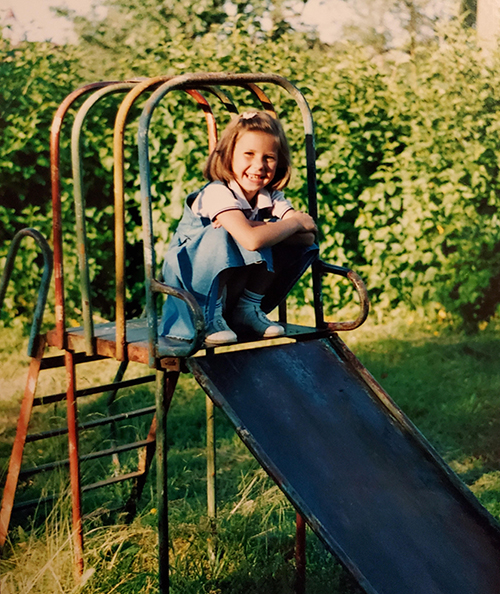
{"x":448,"y":384}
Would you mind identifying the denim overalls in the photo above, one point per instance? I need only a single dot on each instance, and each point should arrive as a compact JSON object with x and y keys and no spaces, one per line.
{"x":198,"y":253}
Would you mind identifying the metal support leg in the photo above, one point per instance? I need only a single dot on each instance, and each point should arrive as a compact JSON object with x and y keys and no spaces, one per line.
{"x":110,"y":398}
{"x":211,"y":494}
{"x":74,"y":463}
{"x":145,"y":459}
{"x":165,"y":386}
{"x":19,"y":442}
{"x":300,"y":555}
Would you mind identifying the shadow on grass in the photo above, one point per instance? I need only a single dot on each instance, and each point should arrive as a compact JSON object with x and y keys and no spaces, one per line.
{"x":449,"y":387}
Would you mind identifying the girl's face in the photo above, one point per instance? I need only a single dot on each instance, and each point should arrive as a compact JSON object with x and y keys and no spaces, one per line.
{"x":255,"y":159}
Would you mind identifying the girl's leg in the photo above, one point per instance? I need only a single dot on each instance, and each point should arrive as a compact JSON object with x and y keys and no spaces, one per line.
{"x":218,"y":332}
{"x":248,"y":315}
{"x":232,"y":283}
{"x":259,"y":279}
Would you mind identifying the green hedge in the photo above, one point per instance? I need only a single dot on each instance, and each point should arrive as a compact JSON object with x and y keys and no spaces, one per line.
{"x":407,"y":165}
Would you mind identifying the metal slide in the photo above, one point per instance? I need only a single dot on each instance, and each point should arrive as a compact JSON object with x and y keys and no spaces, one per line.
{"x":367,"y":482}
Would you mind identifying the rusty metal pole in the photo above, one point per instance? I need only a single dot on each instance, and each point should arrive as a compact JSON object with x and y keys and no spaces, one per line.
{"x":165,"y":386}
{"x":55,"y":177}
{"x":211,"y":493}
{"x":74,"y":463}
{"x":20,"y":439}
{"x":300,"y":555}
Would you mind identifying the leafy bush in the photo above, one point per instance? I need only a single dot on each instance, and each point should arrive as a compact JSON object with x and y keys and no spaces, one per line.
{"x":407,"y":169}
{"x":35,"y":79}
{"x":428,"y":224}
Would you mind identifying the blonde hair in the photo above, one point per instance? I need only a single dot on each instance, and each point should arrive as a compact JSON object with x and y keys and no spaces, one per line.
{"x":219,"y":164}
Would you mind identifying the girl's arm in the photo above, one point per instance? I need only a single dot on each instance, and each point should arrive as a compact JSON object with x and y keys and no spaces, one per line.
{"x":256,"y":236}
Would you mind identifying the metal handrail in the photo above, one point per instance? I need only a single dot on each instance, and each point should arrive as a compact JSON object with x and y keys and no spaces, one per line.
{"x":199,"y":81}
{"x":195,"y":312}
{"x":192,"y":83}
{"x":119,"y":199}
{"x":364,"y":301}
{"x":55,"y":179}
{"x":44,"y":283}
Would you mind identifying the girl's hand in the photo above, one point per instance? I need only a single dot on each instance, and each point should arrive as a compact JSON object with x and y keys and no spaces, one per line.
{"x":305,"y":221}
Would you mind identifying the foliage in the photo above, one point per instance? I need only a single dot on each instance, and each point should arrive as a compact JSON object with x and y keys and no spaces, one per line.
{"x":428,"y":225}
{"x":35,"y":78}
{"x":148,"y":37}
{"x":407,"y":167}
{"x":382,"y":25}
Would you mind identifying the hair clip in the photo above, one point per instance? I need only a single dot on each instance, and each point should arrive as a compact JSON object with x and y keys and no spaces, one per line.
{"x":248,"y":115}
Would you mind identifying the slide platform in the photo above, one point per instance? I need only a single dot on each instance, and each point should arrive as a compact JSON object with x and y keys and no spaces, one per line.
{"x":366,"y":481}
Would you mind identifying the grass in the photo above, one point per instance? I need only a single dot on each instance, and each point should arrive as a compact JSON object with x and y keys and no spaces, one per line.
{"x":447,"y":384}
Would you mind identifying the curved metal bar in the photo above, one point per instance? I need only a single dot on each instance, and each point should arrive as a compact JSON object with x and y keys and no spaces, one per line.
{"x":262,"y":97}
{"x":195,"y":311}
{"x":359,"y":285}
{"x":197,"y":81}
{"x":224,"y":98}
{"x":119,"y":202}
{"x":55,"y":133}
{"x":119,"y":195}
{"x":44,"y":283}
{"x":79,"y":199}
{"x":209,"y":117}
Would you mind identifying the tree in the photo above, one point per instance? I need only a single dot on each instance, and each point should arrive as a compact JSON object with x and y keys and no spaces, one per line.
{"x":385,"y":25}
{"x":468,"y":8}
{"x":488,"y":25}
{"x":136,"y":37}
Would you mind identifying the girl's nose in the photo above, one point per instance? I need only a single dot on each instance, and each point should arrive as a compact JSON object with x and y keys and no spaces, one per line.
{"x":259,"y":163}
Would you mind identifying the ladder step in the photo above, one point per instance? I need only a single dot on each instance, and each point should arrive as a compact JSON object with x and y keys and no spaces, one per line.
{"x":34,"y":502}
{"x":93,"y":456}
{"x":95,"y":390}
{"x":50,"y":498}
{"x":98,"y":422}
{"x":114,"y":479}
{"x":58,"y":360}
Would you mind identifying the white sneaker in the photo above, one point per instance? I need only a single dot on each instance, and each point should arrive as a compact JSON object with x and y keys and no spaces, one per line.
{"x":251,"y":317}
{"x":218,"y":332}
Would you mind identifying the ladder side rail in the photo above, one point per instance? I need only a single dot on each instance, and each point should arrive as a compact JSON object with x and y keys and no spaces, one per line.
{"x":19,"y":443}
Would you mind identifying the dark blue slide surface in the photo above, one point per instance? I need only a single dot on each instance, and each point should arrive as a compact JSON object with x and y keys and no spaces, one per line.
{"x":368,"y":484}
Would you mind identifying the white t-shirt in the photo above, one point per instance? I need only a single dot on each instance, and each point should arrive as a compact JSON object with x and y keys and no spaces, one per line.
{"x":216,"y":197}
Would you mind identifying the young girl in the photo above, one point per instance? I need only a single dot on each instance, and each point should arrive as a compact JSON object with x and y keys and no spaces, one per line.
{"x":240,"y":246}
